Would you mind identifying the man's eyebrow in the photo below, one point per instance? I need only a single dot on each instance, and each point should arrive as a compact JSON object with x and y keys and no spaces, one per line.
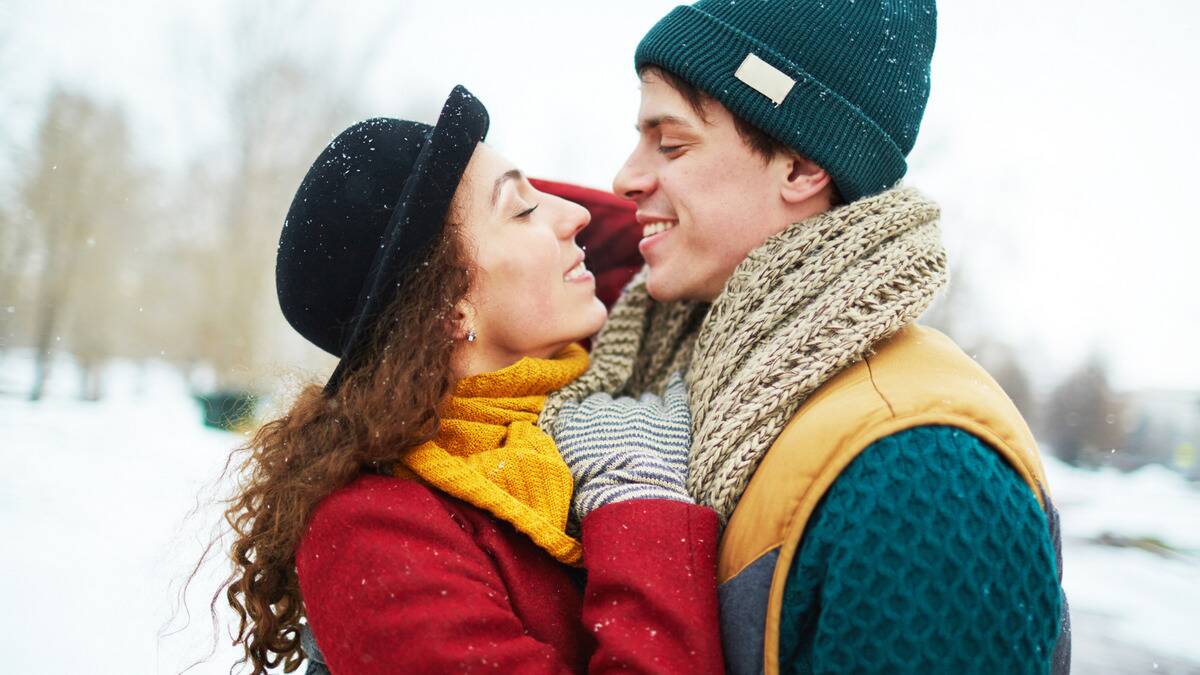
{"x":511,"y":174}
{"x":652,"y":123}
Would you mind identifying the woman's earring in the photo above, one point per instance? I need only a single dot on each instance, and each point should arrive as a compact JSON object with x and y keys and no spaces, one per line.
{"x":471,"y":335}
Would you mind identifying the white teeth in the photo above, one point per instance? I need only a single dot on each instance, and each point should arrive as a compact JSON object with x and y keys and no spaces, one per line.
{"x":651,"y":229}
{"x":576,"y":272}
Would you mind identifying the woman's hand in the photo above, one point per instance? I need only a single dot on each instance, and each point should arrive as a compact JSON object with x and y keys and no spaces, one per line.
{"x":625,"y":448}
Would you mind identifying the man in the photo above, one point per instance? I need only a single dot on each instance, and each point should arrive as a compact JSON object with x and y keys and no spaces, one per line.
{"x":885,"y":505}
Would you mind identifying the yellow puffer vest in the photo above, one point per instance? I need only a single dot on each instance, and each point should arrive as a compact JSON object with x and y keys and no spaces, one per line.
{"x":918,"y":377}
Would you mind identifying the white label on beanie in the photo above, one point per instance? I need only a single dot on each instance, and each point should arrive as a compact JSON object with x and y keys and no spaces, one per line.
{"x":765,"y":78}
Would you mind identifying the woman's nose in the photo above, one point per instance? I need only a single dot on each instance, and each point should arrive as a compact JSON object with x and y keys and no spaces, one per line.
{"x":573,"y":219}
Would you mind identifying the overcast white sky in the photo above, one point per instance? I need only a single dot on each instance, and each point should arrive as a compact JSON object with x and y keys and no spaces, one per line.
{"x":1061,"y":137}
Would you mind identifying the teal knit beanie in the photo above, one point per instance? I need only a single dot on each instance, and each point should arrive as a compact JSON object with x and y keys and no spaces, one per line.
{"x":842,"y":82}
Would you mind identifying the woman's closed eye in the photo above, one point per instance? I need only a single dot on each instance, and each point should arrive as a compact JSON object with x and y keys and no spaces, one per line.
{"x":526,"y":213}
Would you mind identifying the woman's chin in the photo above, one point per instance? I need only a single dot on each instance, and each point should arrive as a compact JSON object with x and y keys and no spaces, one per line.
{"x":597,"y":316}
{"x":581,"y":323}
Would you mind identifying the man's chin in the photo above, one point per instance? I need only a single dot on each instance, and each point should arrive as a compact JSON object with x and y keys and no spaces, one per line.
{"x":664,"y":287}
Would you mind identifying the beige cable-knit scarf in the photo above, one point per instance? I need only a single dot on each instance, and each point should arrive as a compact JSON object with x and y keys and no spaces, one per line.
{"x":809,"y":302}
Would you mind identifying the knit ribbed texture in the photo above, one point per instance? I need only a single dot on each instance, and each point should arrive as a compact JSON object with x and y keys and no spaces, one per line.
{"x":861,"y":69}
{"x":802,"y":307}
{"x":626,"y":448}
{"x":489,"y":452}
{"x":928,"y":554}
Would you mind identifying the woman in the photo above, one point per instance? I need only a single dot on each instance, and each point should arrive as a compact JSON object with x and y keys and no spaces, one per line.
{"x":411,"y":510}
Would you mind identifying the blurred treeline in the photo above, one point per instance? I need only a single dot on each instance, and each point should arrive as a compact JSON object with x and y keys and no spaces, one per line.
{"x":107,"y":255}
{"x":1080,"y":416}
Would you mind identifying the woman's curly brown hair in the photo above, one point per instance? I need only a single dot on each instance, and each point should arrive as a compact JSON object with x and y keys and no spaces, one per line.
{"x":386,"y":405}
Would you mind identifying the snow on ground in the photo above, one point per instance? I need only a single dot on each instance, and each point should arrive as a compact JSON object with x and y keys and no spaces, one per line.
{"x":96,"y":512}
{"x":1133,"y":610}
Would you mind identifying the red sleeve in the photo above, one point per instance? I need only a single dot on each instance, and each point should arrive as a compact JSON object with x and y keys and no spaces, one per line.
{"x":392,"y":582}
{"x":611,"y":238}
{"x":651,"y":599}
{"x":395,"y":584}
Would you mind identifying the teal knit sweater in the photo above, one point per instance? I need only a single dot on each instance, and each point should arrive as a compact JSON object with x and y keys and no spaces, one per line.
{"x":928,"y":554}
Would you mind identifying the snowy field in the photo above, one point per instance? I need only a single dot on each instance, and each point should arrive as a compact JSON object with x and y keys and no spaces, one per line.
{"x":105,"y":507}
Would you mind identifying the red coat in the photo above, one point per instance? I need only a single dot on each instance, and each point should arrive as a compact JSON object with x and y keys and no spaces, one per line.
{"x":398,"y":577}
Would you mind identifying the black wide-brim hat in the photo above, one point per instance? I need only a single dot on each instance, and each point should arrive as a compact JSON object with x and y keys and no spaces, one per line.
{"x":365,"y":217}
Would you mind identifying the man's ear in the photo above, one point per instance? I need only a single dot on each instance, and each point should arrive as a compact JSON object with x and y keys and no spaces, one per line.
{"x":800,"y":178}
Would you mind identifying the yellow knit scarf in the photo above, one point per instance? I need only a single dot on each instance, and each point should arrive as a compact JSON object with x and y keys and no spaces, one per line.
{"x":489,"y":451}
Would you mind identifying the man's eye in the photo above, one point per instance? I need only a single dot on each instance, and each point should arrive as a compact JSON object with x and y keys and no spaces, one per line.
{"x":669,"y":149}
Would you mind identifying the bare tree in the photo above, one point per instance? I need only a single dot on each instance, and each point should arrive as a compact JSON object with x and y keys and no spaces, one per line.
{"x":13,"y":232}
{"x":14,"y":250}
{"x":77,"y":198}
{"x":1083,"y":416}
{"x":284,"y":95}
{"x":106,"y":316}
{"x":1003,"y":362}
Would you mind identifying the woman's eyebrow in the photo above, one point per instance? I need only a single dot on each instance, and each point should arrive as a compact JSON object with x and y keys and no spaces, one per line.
{"x":511,"y":174}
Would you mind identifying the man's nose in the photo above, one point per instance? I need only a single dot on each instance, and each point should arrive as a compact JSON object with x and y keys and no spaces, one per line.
{"x":633,"y":180}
